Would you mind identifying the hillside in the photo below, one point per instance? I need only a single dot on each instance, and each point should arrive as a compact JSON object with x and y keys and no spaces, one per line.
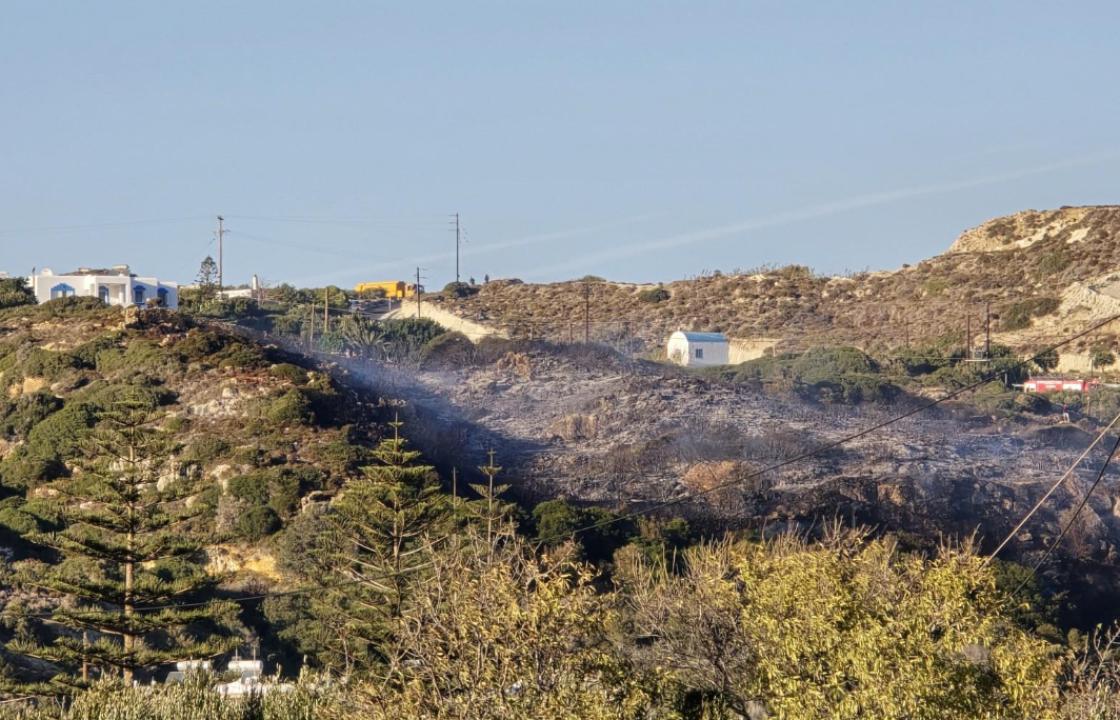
{"x":272,"y":443}
{"x":1042,"y":273}
{"x":256,"y":435}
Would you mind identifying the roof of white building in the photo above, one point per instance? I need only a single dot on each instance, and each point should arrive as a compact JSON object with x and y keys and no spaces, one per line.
{"x":703,"y":336}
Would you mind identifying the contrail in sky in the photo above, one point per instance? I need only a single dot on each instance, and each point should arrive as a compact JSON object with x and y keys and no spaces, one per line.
{"x":811,"y":212}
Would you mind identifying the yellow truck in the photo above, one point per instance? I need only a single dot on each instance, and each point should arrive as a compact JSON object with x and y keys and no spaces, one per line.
{"x":395,"y":289}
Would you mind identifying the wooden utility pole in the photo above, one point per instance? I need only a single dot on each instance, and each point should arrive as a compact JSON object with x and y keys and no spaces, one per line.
{"x":221,"y":236}
{"x":457,"y":236}
{"x":587,"y":312}
{"x":987,"y":331}
{"x":326,"y":311}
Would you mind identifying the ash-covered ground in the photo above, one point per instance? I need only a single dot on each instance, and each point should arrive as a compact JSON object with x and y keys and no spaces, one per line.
{"x":589,"y":425}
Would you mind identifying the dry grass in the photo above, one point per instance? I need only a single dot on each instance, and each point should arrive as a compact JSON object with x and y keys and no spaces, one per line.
{"x":1035,"y":255}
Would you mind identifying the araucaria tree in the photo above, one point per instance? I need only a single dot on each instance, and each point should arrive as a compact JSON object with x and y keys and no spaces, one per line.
{"x":377,"y":529}
{"x":207,"y":280}
{"x":128,"y":569}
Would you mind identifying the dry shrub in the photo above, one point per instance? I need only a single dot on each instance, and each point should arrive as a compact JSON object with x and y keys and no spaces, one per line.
{"x":575,"y":427}
{"x":517,"y":364}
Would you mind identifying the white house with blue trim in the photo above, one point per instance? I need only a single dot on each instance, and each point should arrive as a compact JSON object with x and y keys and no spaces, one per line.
{"x":114,"y":286}
{"x":698,"y":349}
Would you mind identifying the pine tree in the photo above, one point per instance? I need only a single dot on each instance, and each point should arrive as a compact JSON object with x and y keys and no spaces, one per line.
{"x":128,"y":571}
{"x":490,"y":510}
{"x":381,"y":523}
{"x":207,"y":280}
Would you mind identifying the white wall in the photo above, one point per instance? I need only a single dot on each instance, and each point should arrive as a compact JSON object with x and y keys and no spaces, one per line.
{"x":121,"y":288}
{"x":683,"y":352}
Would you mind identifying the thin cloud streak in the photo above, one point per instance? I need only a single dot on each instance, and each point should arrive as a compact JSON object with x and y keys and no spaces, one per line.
{"x":470,"y":250}
{"x":813,"y":212}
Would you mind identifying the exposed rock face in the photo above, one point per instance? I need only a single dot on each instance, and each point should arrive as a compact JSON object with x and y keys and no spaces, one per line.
{"x":1026,"y":228}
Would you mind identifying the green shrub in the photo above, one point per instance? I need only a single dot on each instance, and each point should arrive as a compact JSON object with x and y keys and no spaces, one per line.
{"x":17,"y":522}
{"x":204,"y":450}
{"x":199,"y":345}
{"x":851,"y":388}
{"x":1102,"y":356}
{"x":140,"y":355}
{"x":556,"y":519}
{"x":73,"y":306}
{"x":25,"y":413}
{"x":654,"y":295}
{"x":291,"y":408}
{"x":826,"y":363}
{"x":59,"y":434}
{"x":86,"y":353}
{"x":1020,"y":314}
{"x":24,"y":468}
{"x":924,"y":359}
{"x":252,"y":487}
{"x":287,"y":371}
{"x":1052,"y":263}
{"x":339,"y":458}
{"x":143,"y":391}
{"x":830,"y":374}
{"x":460,"y":290}
{"x":405,"y":337}
{"x":284,"y":491}
{"x":241,"y":356}
{"x":278,"y":488}
{"x":256,"y":522}
{"x":451,"y":349}
{"x":48,"y":364}
{"x":14,"y":292}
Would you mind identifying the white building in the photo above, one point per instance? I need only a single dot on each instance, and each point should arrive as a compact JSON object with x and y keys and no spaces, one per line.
{"x":114,"y":286}
{"x":698,"y":349}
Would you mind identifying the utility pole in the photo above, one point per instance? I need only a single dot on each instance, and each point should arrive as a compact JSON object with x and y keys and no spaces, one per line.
{"x":221,"y":236}
{"x":311,"y":326}
{"x":968,"y":336}
{"x":457,"y":236}
{"x":587,"y":313}
{"x":326,"y":311}
{"x":988,"y":330}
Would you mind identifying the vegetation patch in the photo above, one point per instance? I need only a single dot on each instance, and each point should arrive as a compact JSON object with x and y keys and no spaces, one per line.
{"x":1020,"y":314}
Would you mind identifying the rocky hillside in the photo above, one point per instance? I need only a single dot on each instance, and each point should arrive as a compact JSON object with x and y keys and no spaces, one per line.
{"x":1039,"y":273}
{"x":257,"y":434}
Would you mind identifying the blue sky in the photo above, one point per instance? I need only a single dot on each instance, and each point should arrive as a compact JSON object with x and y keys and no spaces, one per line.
{"x":635,"y":140}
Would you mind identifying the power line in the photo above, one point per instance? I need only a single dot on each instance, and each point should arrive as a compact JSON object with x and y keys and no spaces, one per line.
{"x":94,"y":226}
{"x":400,"y":222}
{"x":1069,"y":524}
{"x":1053,"y":488}
{"x":309,"y":247}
